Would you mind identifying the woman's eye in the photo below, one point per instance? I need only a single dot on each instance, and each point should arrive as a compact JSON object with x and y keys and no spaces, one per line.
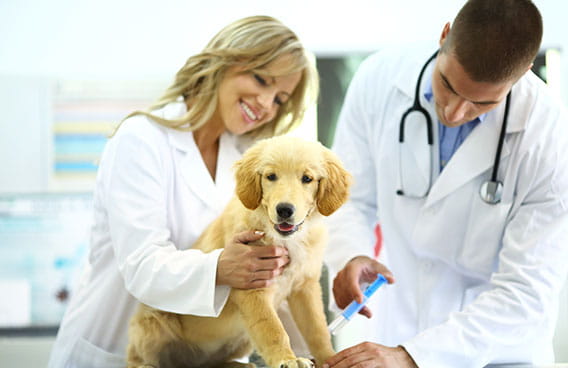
{"x":306,"y":179}
{"x":260,"y":80}
{"x":271,"y":177}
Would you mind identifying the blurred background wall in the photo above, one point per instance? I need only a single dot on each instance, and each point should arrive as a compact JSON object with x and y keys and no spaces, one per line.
{"x":71,"y":69}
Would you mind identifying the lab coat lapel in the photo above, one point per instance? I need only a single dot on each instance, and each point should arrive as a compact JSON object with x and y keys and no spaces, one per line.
{"x":475,"y":155}
{"x":192,"y":167}
{"x":228,"y":154}
{"x":215,"y":194}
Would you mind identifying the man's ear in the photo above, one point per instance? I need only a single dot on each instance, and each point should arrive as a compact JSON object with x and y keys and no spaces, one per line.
{"x":444,"y":35}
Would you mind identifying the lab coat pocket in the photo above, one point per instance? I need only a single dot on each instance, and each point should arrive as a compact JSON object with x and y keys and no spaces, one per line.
{"x":483,"y":237}
{"x":87,"y":355}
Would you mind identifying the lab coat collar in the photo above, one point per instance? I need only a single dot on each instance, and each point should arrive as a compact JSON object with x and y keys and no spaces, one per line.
{"x":475,"y":156}
{"x":405,"y":80}
{"x":519,"y":110}
{"x":178,"y":138}
{"x":477,"y":153}
{"x":214,"y":194}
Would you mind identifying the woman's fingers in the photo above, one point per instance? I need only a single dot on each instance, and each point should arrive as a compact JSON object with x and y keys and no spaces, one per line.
{"x":246,"y":266}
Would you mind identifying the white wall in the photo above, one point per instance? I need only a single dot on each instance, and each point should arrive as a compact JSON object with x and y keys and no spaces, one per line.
{"x":141,"y":39}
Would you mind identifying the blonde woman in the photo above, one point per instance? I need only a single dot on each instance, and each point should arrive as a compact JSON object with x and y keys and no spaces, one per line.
{"x":166,"y":173}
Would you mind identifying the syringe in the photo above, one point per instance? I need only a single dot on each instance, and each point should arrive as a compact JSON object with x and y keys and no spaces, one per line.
{"x":355,"y":307}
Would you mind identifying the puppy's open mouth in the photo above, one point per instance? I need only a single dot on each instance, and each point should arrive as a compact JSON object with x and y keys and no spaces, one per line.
{"x":285,"y":228}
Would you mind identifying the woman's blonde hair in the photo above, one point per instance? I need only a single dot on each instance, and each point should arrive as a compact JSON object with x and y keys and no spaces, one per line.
{"x":250,"y":43}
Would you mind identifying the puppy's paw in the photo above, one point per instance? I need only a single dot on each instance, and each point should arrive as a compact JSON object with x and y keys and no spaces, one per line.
{"x":297,"y":363}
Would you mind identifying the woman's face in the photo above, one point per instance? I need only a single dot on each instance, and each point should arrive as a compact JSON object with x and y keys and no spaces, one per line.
{"x":248,"y":100}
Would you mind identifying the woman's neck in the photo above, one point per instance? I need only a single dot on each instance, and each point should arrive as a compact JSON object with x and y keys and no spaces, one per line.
{"x":207,"y":141}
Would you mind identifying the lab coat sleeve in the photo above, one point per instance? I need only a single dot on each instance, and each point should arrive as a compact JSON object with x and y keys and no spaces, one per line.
{"x":352,"y":226}
{"x":155,"y":271}
{"x":531,"y":270}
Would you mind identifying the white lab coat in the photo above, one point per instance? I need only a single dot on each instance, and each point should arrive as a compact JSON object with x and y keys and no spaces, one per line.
{"x":475,"y":283}
{"x":153,"y":198}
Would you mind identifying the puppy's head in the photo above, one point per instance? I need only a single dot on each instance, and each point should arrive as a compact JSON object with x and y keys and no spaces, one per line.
{"x":289,"y":178}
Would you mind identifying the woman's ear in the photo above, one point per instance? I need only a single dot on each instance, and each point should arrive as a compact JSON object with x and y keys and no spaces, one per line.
{"x":333,"y":189}
{"x":247,"y":176}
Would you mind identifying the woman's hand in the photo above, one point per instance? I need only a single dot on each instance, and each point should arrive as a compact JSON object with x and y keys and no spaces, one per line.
{"x":346,"y":285}
{"x":245,"y":266}
{"x":371,"y":355}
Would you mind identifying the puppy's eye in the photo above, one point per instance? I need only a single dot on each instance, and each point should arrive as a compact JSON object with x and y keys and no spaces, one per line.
{"x":306,"y":179}
{"x":271,"y":177}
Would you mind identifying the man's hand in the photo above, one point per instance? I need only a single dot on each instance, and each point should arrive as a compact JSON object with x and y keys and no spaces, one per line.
{"x":369,"y":355}
{"x":346,"y":285}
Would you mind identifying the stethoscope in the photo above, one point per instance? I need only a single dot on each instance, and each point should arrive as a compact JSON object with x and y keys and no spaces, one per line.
{"x":490,"y":190}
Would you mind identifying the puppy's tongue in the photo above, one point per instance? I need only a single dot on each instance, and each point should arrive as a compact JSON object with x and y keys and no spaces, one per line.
{"x":285,"y":226}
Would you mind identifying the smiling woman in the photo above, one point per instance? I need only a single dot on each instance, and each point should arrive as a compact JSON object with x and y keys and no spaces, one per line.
{"x":166,"y":174}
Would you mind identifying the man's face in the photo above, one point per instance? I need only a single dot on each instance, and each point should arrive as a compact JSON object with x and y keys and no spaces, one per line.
{"x":458,"y":98}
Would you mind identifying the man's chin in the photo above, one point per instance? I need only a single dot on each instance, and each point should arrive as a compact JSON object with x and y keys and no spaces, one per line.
{"x":452,"y":124}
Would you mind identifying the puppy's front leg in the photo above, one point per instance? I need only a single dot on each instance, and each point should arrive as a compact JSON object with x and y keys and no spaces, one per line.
{"x":265,"y":329}
{"x":307,"y":309}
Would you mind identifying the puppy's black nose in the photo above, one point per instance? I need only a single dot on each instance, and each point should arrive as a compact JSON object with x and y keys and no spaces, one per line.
{"x":285,"y":210}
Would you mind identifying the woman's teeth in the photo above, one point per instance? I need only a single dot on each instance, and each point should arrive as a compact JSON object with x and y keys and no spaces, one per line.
{"x":248,"y":111}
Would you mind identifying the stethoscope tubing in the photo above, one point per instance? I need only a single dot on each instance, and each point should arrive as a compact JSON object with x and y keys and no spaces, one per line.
{"x":501,"y":139}
{"x":416,"y":106}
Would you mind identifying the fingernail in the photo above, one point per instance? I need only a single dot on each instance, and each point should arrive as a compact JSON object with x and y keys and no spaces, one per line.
{"x":325,"y":366}
{"x":259,"y":232}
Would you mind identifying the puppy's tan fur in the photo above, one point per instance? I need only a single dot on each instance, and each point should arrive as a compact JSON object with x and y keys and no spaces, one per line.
{"x":273,"y":171}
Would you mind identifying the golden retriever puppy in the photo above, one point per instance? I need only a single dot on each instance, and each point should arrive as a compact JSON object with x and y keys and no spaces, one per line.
{"x":283,"y":186}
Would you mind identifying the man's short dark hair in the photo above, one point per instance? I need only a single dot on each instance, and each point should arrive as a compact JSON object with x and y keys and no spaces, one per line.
{"x":495,"y":40}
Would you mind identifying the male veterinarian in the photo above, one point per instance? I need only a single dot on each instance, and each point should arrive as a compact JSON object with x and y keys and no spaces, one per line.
{"x":473,"y":206}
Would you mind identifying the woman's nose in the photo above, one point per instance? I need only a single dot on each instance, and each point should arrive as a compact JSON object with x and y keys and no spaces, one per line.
{"x":266,"y":99}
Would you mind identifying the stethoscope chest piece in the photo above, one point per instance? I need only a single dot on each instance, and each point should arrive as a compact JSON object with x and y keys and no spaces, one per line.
{"x":491,"y":191}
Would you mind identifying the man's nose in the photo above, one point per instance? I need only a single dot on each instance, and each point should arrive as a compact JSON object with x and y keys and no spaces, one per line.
{"x":456,"y":110}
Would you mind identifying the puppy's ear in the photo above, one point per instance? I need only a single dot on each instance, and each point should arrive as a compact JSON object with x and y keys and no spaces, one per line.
{"x":333,"y":189}
{"x":247,"y":176}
